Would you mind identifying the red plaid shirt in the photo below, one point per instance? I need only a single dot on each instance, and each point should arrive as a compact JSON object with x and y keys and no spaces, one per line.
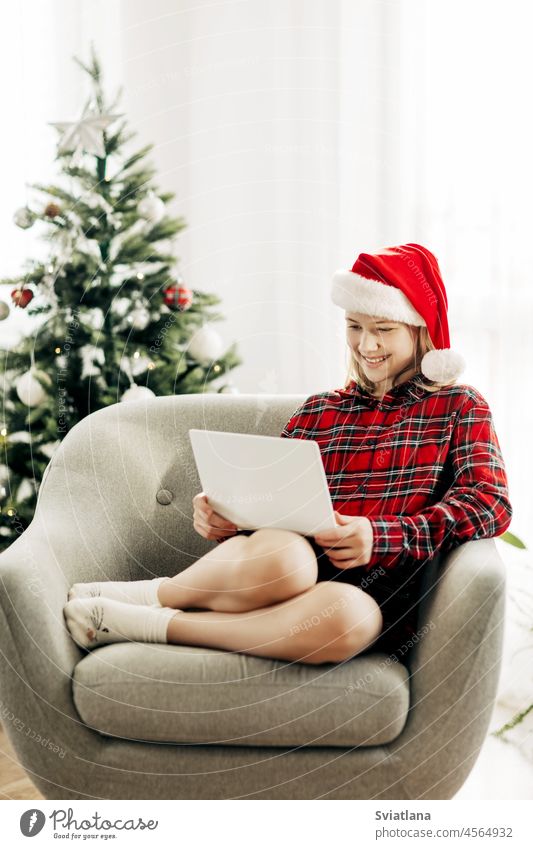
{"x":424,"y":467}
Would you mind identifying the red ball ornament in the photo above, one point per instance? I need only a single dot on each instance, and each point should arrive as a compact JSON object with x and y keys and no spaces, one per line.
{"x":178,"y":297}
{"x":21,"y":297}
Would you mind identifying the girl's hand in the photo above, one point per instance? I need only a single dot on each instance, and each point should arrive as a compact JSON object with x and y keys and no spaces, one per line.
{"x":208,"y":523}
{"x":350,"y":543}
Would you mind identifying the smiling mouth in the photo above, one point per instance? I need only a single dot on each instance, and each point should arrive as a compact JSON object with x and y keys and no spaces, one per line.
{"x":375,"y":362}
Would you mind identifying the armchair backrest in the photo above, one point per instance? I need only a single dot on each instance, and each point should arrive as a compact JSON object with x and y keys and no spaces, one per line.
{"x":119,"y":489}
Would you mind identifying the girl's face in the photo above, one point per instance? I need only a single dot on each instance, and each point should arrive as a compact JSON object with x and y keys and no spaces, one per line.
{"x":391,"y":345}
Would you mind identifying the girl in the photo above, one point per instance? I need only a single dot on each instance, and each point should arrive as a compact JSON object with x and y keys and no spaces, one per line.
{"x":414,"y":467}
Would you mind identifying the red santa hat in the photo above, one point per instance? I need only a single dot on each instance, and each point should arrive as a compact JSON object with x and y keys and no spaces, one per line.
{"x":403,"y":283}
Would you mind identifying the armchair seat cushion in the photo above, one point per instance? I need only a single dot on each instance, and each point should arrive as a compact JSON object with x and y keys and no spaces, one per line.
{"x":191,"y":695}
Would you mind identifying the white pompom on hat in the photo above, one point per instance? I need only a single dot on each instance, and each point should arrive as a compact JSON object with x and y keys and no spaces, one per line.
{"x":403,"y":283}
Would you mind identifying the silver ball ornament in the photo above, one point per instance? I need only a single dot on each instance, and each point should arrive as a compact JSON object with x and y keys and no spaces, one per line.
{"x":24,"y":217}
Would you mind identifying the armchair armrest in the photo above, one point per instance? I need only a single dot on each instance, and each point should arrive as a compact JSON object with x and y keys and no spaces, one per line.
{"x":68,"y":540}
{"x":454,"y":670}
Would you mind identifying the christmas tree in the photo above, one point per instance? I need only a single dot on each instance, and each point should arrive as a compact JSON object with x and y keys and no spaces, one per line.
{"x":115,"y":320}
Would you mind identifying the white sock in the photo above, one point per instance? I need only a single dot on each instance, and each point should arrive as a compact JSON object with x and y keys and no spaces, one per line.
{"x":97,"y":621}
{"x":131,"y":592}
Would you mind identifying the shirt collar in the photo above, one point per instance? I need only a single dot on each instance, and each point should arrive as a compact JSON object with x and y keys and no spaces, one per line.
{"x":403,"y":390}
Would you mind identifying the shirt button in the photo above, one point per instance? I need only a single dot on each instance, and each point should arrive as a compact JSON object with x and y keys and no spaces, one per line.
{"x":164,"y":496}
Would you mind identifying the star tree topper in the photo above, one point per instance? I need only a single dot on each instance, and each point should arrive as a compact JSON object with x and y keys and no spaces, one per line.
{"x":85,"y":134}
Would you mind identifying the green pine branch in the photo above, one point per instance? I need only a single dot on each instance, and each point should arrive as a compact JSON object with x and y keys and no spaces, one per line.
{"x":132,"y":160}
{"x":165,"y":228}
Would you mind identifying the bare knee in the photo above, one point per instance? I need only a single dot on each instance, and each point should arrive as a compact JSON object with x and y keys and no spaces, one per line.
{"x":351,"y":621}
{"x":284,"y":563}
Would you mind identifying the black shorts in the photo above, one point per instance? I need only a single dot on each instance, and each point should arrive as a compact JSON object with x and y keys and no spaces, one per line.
{"x":397,"y":592}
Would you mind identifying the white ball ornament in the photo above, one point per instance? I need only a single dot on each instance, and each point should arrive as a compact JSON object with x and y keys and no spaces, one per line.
{"x":151,"y":208}
{"x":29,"y":390}
{"x":137,"y":393}
{"x":442,"y":365}
{"x":4,"y":310}
{"x":206,"y":345}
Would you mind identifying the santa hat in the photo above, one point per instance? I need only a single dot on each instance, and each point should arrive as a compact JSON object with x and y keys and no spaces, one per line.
{"x":403,"y":283}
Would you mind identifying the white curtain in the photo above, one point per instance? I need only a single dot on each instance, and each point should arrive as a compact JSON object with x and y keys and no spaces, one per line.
{"x":243,"y":100}
{"x":457,"y":177}
{"x":297,"y":133}
{"x":42,"y":84}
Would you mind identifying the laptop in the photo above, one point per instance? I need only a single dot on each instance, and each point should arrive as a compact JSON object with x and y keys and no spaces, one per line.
{"x":260,"y":481}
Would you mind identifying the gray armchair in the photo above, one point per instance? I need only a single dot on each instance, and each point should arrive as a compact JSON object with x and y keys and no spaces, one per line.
{"x":152,"y":721}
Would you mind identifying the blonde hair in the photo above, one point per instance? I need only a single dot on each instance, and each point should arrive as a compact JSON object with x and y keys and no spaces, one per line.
{"x":423,"y":345}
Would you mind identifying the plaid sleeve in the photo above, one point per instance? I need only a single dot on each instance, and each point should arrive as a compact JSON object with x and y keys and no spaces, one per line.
{"x":475,"y":506}
{"x":287,"y":430}
{"x":293,"y":421}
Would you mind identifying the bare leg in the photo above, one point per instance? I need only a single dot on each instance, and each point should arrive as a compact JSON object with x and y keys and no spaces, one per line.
{"x":244,"y":573}
{"x":329,"y":622}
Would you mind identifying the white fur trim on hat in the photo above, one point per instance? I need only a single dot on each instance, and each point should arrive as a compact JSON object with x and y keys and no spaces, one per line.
{"x":442,"y":365}
{"x":371,"y":297}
